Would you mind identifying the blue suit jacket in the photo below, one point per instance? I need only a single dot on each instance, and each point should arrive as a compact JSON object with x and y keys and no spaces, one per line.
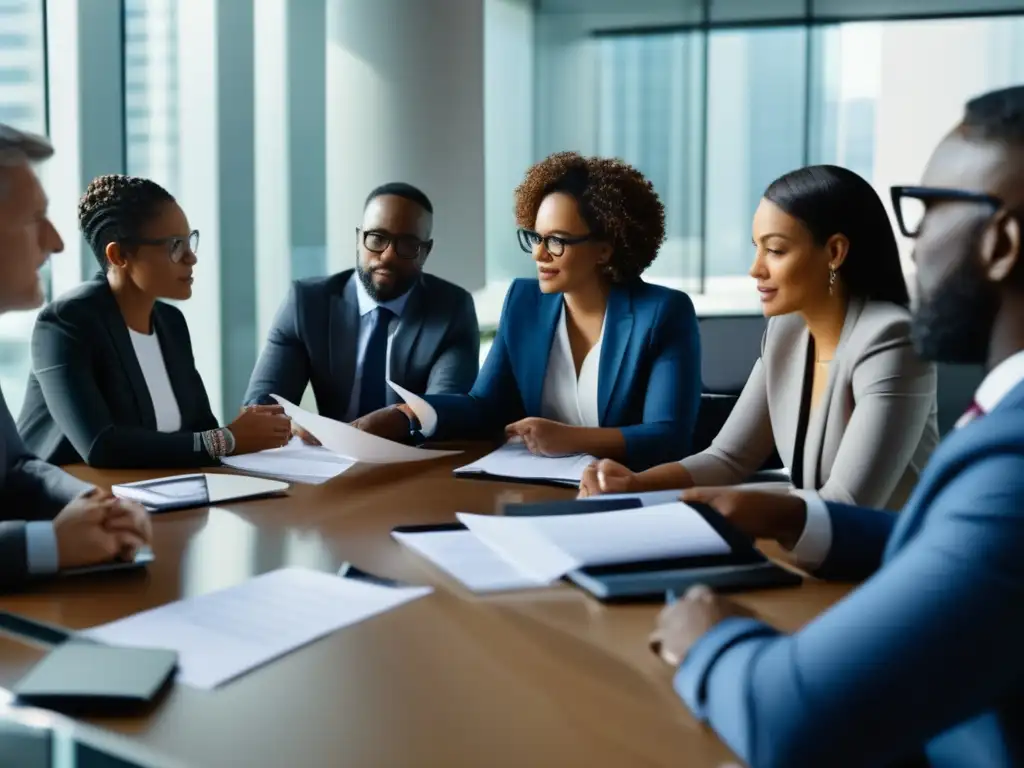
{"x":648,"y":375}
{"x":928,"y":654}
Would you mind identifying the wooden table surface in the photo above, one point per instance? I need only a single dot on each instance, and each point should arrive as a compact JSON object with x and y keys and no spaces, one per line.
{"x":543,"y":678}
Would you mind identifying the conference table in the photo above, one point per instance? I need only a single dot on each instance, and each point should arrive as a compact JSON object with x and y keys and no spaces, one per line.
{"x":548,"y":677}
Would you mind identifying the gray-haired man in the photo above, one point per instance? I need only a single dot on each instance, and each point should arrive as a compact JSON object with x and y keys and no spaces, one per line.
{"x":48,"y":519}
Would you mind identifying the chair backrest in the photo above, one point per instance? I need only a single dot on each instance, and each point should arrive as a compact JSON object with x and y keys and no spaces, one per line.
{"x":956,"y":387}
{"x":730,"y":345}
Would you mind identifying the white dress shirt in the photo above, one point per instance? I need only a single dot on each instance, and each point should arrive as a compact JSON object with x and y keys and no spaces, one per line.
{"x":566,"y":397}
{"x":154,"y":371}
{"x":816,"y":540}
{"x":366,"y":306}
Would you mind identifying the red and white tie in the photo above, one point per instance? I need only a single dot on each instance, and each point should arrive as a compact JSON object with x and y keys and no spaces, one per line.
{"x":973,"y":412}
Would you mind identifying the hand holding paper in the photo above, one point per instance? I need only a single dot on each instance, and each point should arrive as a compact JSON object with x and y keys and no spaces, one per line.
{"x":351,"y":443}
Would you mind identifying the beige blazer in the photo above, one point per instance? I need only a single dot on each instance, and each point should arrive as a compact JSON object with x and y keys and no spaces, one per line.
{"x":873,"y":429}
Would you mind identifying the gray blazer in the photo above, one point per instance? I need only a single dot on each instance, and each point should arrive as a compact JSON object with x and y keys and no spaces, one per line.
{"x":436,"y":348}
{"x":30,"y":489}
{"x":872,"y":432}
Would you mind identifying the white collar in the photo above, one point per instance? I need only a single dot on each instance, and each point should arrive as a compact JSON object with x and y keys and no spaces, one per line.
{"x":367,"y":303}
{"x":999,"y":381}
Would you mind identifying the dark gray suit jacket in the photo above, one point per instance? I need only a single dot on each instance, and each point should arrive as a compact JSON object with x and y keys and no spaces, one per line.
{"x":29,"y":490}
{"x":435,"y":350}
{"x":87,"y":398}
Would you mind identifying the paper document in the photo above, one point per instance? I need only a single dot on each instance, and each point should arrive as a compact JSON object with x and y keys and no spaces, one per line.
{"x":349,"y":442}
{"x":547,"y":548}
{"x":424,"y":411}
{"x":224,"y":634}
{"x":514,"y":461}
{"x":465,"y":558}
{"x":296,"y":462}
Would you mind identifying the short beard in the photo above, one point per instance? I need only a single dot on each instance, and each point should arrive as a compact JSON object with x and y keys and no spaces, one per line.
{"x":389,"y":294}
{"x":954,"y":324}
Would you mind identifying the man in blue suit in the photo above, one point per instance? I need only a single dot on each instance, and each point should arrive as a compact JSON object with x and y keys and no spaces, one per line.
{"x":347,"y":334}
{"x":925,"y":660}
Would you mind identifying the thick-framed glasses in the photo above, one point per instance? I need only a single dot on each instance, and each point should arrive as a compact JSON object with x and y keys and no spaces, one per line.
{"x":177,"y":247}
{"x":406,"y":246}
{"x":553,"y":244}
{"x":912,"y":203}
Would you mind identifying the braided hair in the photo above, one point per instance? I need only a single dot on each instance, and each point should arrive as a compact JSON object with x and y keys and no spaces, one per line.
{"x":114,"y":208}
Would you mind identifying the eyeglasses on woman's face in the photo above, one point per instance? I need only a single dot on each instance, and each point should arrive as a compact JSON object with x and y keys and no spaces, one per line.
{"x":176,"y":247}
{"x":553,"y":244}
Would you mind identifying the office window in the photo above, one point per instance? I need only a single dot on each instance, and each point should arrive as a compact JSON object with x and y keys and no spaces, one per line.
{"x":23,"y":105}
{"x":151,"y":91}
{"x":755,"y":133}
{"x":883,"y":94}
{"x":650,"y":107}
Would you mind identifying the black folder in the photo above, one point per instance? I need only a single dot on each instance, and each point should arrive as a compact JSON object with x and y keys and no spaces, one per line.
{"x":742,"y":568}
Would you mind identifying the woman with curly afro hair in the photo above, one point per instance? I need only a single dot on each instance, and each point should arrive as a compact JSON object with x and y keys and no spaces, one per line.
{"x":588,"y":359}
{"x":114,"y":382}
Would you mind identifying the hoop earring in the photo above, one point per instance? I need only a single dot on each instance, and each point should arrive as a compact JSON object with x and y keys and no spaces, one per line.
{"x":831,"y":281}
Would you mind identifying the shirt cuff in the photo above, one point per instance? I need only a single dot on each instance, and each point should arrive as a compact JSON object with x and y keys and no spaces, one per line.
{"x":41,"y":548}
{"x":816,"y":540}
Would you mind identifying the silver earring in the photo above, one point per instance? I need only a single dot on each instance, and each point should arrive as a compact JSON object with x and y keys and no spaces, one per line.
{"x":831,"y":281}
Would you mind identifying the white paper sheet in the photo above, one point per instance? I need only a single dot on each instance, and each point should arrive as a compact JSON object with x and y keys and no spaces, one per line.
{"x":224,"y":634}
{"x":347,"y":441}
{"x":424,"y":411}
{"x":296,"y":462}
{"x":514,"y":460}
{"x":468,"y":560}
{"x":549,"y":547}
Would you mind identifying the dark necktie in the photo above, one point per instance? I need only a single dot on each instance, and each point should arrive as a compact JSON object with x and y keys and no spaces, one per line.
{"x":372,"y":393}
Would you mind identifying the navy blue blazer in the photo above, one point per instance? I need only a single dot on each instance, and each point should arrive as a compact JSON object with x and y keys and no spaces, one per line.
{"x":924,"y":656}
{"x":649,"y":381}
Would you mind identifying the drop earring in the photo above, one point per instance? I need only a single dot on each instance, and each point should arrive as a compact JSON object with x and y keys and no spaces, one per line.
{"x":831,"y":281}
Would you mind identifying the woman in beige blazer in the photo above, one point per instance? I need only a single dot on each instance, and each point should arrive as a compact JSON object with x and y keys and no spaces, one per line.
{"x":838,"y":389}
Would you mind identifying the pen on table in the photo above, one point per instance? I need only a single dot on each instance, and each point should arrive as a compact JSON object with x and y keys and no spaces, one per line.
{"x":349,"y":571}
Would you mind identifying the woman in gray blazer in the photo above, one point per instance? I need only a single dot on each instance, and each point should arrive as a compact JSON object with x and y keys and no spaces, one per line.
{"x":113,"y":379}
{"x":838,"y":390}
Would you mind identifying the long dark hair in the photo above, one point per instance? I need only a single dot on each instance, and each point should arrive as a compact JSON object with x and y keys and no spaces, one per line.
{"x":830,"y":200}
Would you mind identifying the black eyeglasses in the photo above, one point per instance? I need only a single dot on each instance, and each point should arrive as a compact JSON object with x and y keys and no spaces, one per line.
{"x":553,"y":244}
{"x":177,"y":247}
{"x":912,"y":203}
{"x":406,"y":246}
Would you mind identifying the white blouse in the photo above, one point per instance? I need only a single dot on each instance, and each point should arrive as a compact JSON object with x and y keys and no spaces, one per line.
{"x":569,"y":399}
{"x":154,"y":371}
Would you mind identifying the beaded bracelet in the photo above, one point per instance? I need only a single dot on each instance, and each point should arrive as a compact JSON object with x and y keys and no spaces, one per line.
{"x":218,"y":442}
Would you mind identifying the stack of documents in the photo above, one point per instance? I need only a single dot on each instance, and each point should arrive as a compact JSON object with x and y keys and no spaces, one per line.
{"x":296,"y":463}
{"x":513,"y":461}
{"x":500,"y":553}
{"x":222,"y":635}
